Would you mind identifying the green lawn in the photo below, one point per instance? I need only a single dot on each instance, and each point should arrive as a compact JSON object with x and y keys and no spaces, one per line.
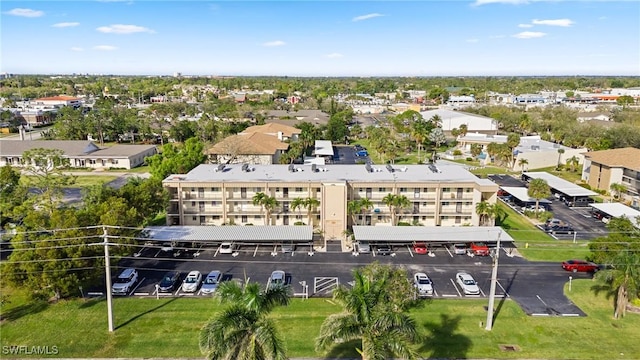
{"x":451,"y":328}
{"x":85,"y":180}
{"x":534,"y":244}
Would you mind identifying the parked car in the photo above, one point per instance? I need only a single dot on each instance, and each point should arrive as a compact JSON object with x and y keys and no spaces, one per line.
{"x":553,"y":222}
{"x":362,"y":153}
{"x":287,"y":248}
{"x":169,"y":281}
{"x":467,"y":283}
{"x":124,"y":282}
{"x":480,"y":249}
{"x":192,"y":282}
{"x":277,"y":278}
{"x":423,"y":285}
{"x":227,"y":248}
{"x":210,"y":283}
{"x":363,"y":247}
{"x":580,"y":266}
{"x":459,"y":249}
{"x":420,"y":248}
{"x":560,"y":229}
{"x":579,"y":202}
{"x":541,"y":208}
{"x":384,"y":249}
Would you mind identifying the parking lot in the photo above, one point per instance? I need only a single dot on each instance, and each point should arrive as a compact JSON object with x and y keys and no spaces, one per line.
{"x":586,"y":227}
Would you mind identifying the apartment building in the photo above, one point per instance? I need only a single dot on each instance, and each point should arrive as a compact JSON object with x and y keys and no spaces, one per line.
{"x":621,"y":166}
{"x":442,"y":195}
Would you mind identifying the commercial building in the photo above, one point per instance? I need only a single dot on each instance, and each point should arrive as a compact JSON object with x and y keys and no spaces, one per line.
{"x":450,"y":120}
{"x":614,"y":166}
{"x":442,"y":195}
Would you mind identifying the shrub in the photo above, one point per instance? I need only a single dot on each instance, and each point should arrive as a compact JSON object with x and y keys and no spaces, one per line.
{"x":469,"y":159}
{"x":298,"y":223}
{"x":457,"y":152}
{"x":403,"y":223}
{"x":585,"y":185}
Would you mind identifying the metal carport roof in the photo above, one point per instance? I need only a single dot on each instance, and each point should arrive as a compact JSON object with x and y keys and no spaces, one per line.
{"x":521,"y":193}
{"x":617,"y":210}
{"x":562,"y":185}
{"x":230,"y":233}
{"x":429,"y":233}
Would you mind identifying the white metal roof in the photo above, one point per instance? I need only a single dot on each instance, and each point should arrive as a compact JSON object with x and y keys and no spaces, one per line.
{"x":430,"y":233}
{"x":617,"y":210}
{"x":521,"y":193}
{"x":323,"y":148}
{"x":230,"y":233}
{"x":562,"y":185}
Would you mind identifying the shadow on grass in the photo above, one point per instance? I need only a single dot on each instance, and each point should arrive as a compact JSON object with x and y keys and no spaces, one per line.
{"x":443,"y":342}
{"x":345,"y":350}
{"x":504,"y":298}
{"x":87,"y":303}
{"x":26,"y":309}
{"x":146,"y":312}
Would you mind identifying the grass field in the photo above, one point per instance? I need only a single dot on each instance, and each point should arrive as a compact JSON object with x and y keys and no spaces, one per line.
{"x":85,"y":180}
{"x":534,"y":244}
{"x":451,"y":328}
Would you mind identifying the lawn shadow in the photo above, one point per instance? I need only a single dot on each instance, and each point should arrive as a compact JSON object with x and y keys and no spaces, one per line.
{"x":443,"y":342}
{"x":504,"y":298}
{"x":87,"y":303}
{"x":345,"y":350}
{"x":23,"y":310}
{"x":146,"y":312}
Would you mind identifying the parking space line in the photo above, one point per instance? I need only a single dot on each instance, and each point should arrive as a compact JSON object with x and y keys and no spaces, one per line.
{"x":410,"y":252}
{"x":137,"y":286}
{"x":435,"y":292}
{"x":455,"y":286}
{"x":177,"y":291}
{"x":216,"y":253}
{"x":157,"y":253}
{"x":505,"y":291}
{"x":481,"y":292}
{"x":449,"y":251}
{"x":255,"y":252}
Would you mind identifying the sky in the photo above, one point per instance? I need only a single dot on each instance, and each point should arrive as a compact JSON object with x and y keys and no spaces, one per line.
{"x":321,"y":38}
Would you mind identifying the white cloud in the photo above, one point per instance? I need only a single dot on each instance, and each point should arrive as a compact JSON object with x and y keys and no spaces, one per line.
{"x":104,"y":47}
{"x":274,"y":43}
{"x":554,"y":22}
{"x":529,"y":35}
{"x":124,"y":29}
{"x":366,"y":17}
{"x":30,"y":13}
{"x":65,"y":24}
{"x":473,"y":41}
{"x":525,"y":25}
{"x":76,"y":48}
{"x":334,"y":55}
{"x":486,"y":2}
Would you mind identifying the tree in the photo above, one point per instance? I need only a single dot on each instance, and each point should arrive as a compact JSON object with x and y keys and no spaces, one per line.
{"x":522,"y":162}
{"x":298,"y":204}
{"x":353,"y":208}
{"x":513,"y":140}
{"x":622,"y":274}
{"x":365,"y":205}
{"x":267,"y":204}
{"x":310,"y":204}
{"x":476,"y":149}
{"x":573,"y":163}
{"x":46,"y":177}
{"x":177,"y":160}
{"x":375,"y":312}
{"x":9,"y":185}
{"x":560,"y":152}
{"x":483,"y":209}
{"x":395,"y":204}
{"x":464,"y":128}
{"x":243,"y":329}
{"x":538,"y":189}
{"x":625,"y":100}
{"x":617,"y":190}
{"x":437,"y":137}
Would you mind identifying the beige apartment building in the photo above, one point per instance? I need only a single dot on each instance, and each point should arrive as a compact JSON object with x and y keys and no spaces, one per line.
{"x":614,"y":166}
{"x":442,"y":195}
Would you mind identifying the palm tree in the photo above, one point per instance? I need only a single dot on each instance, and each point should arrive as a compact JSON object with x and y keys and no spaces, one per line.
{"x":365,"y":205}
{"x":243,"y":330}
{"x":623,"y":275}
{"x":496,"y":212}
{"x":464,"y":128}
{"x":483,"y":209}
{"x":372,"y":316}
{"x":395,"y":203}
{"x":297,"y":204}
{"x":573,"y":162}
{"x":513,"y":140}
{"x":258,"y":199}
{"x":353,"y":207}
{"x":538,"y":189}
{"x":522,"y":162}
{"x":310,"y":204}
{"x":560,"y":152}
{"x":617,"y":190}
{"x":267,"y":204}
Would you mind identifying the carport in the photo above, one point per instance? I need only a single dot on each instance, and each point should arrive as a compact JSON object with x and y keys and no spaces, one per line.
{"x":617,"y":210}
{"x":521,"y":195}
{"x":241,"y":235}
{"x":436,"y":235}
{"x":567,"y":190}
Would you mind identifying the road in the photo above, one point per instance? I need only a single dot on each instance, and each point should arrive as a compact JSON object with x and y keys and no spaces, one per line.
{"x":35,"y":134}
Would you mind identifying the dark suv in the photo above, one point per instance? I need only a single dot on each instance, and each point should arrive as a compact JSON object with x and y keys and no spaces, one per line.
{"x":384,"y":249}
{"x":579,"y":202}
{"x":561,"y":229}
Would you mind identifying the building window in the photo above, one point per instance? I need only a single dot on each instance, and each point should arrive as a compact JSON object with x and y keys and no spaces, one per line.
{"x":216,"y":217}
{"x":92,"y":161}
{"x":445,"y":203}
{"x":214,"y":203}
{"x":445,"y":218}
{"x":194,"y":218}
{"x":379,"y":217}
{"x":244,"y":218}
{"x":382,"y":189}
{"x":256,"y":217}
{"x":403,"y":190}
{"x":446,"y":189}
{"x":193,"y":203}
{"x":299,"y":189}
{"x":215,"y":189}
{"x":458,"y":219}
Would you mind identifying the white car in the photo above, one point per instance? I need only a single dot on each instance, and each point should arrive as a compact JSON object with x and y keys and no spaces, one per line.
{"x":192,"y":281}
{"x":210,"y":283}
{"x":124,"y":282}
{"x":277,"y":279}
{"x":467,"y":283}
{"x":227,"y":248}
{"x":423,"y":284}
{"x":363,"y":247}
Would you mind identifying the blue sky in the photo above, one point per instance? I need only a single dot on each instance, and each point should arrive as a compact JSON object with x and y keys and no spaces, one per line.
{"x":321,"y":38}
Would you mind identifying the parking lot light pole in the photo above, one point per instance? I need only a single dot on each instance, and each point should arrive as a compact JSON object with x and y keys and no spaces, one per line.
{"x":107,"y":267}
{"x":494,"y":280}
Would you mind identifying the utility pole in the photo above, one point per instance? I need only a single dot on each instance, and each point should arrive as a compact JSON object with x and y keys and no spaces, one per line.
{"x":107,"y":267}
{"x":494,"y":280}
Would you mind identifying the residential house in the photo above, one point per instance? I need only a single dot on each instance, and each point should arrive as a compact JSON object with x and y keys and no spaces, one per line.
{"x":281,"y":131}
{"x":614,"y":166}
{"x":248,"y":148}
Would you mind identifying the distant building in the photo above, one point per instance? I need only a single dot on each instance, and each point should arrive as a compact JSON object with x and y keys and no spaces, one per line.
{"x":247,"y":148}
{"x":81,"y":154}
{"x":61,"y":100}
{"x":281,"y":131}
{"x":457,"y":101}
{"x":454,"y":119}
